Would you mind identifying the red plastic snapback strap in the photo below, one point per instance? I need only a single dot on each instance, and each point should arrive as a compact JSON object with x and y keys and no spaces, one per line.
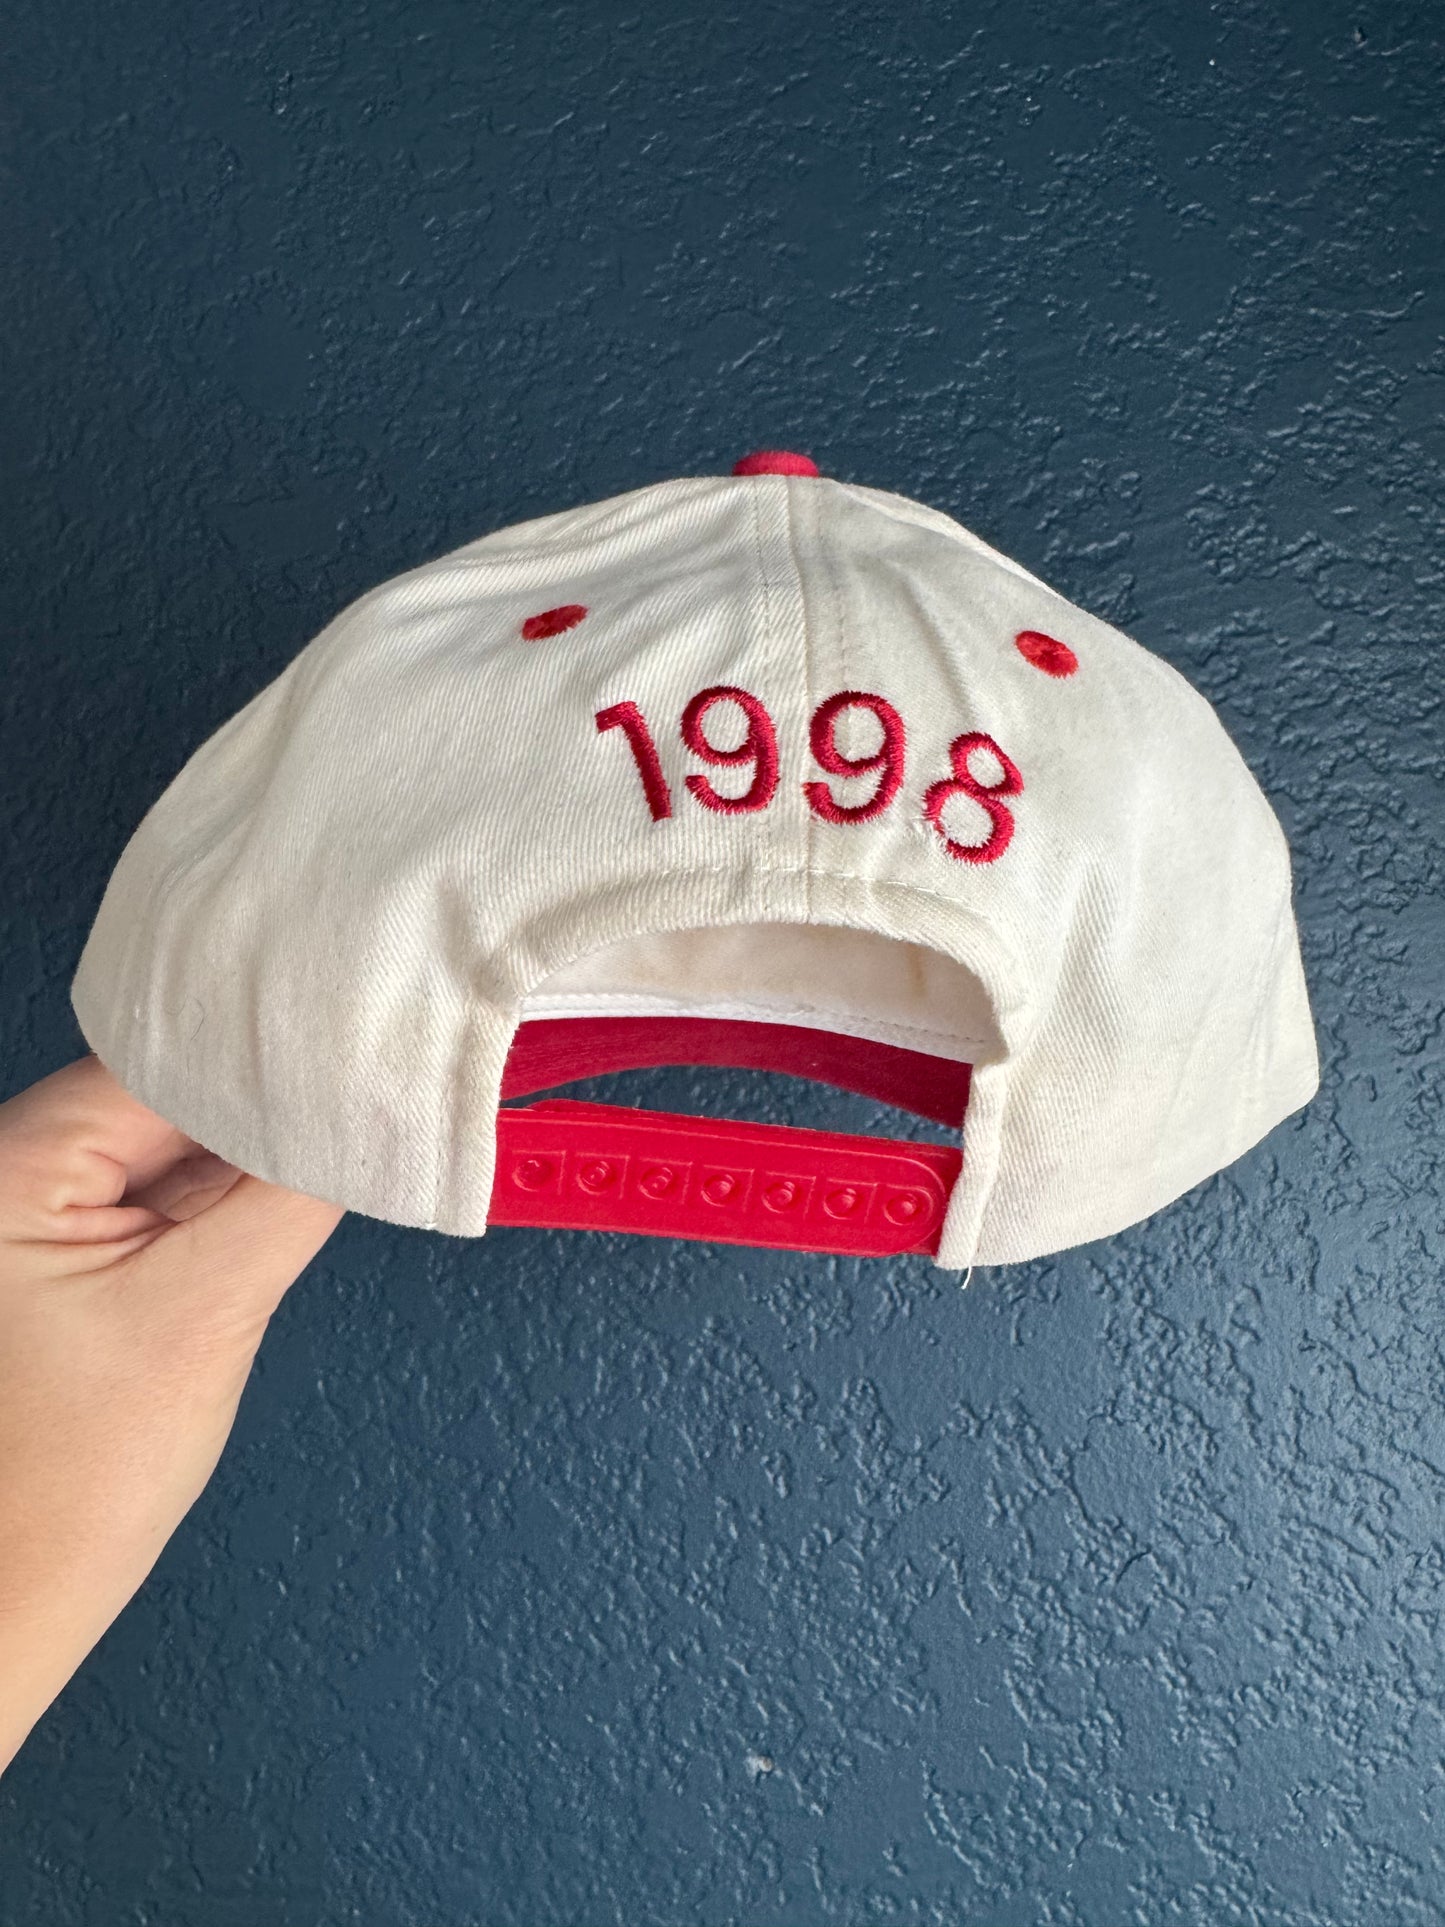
{"x":598,"y":1167}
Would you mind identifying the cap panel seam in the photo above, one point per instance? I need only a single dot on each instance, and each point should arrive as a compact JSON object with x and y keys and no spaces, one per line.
{"x":767,"y":860}
{"x":790,"y":534}
{"x":612,"y":513}
{"x":897,"y":509}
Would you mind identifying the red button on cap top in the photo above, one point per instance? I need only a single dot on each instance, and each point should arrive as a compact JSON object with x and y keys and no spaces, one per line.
{"x":775,"y":461}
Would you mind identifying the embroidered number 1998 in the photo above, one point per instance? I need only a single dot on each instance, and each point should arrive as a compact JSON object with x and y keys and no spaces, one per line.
{"x":759,"y":748}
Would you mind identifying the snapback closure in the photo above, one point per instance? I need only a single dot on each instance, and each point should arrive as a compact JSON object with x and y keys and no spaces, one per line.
{"x":569,"y":1165}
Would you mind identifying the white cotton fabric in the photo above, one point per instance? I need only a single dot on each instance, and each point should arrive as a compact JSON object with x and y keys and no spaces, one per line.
{"x":313,"y":952}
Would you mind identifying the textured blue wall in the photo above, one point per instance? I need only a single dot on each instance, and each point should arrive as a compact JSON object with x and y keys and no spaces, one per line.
{"x":560,"y":1581}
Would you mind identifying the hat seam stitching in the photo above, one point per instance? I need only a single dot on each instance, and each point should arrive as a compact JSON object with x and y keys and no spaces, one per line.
{"x":792,"y":1006}
{"x":766,"y":859}
{"x":809,"y":680}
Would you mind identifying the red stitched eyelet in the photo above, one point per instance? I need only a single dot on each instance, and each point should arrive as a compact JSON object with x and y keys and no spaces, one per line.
{"x":1055,"y":658}
{"x":551,"y":622}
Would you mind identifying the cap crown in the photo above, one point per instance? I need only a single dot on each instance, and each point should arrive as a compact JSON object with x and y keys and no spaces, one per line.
{"x":314,"y":952}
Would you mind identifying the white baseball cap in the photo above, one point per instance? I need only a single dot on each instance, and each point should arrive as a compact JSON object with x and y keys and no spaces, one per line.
{"x":764,"y":769}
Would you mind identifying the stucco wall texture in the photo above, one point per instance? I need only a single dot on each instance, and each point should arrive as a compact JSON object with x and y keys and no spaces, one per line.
{"x":554,"y":1581}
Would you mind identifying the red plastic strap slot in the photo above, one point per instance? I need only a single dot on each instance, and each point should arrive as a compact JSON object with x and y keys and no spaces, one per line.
{"x":596,"y":1167}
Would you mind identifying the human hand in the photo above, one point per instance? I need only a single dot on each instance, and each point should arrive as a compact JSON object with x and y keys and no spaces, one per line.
{"x":137,"y":1274}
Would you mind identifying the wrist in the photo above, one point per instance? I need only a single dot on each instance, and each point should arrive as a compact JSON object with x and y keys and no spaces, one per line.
{"x":50,"y":1620}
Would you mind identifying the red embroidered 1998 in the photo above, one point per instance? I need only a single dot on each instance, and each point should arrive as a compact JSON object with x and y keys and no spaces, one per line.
{"x":964,"y":783}
{"x":630,"y":720}
{"x":888,"y":758}
{"x":759,"y":747}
